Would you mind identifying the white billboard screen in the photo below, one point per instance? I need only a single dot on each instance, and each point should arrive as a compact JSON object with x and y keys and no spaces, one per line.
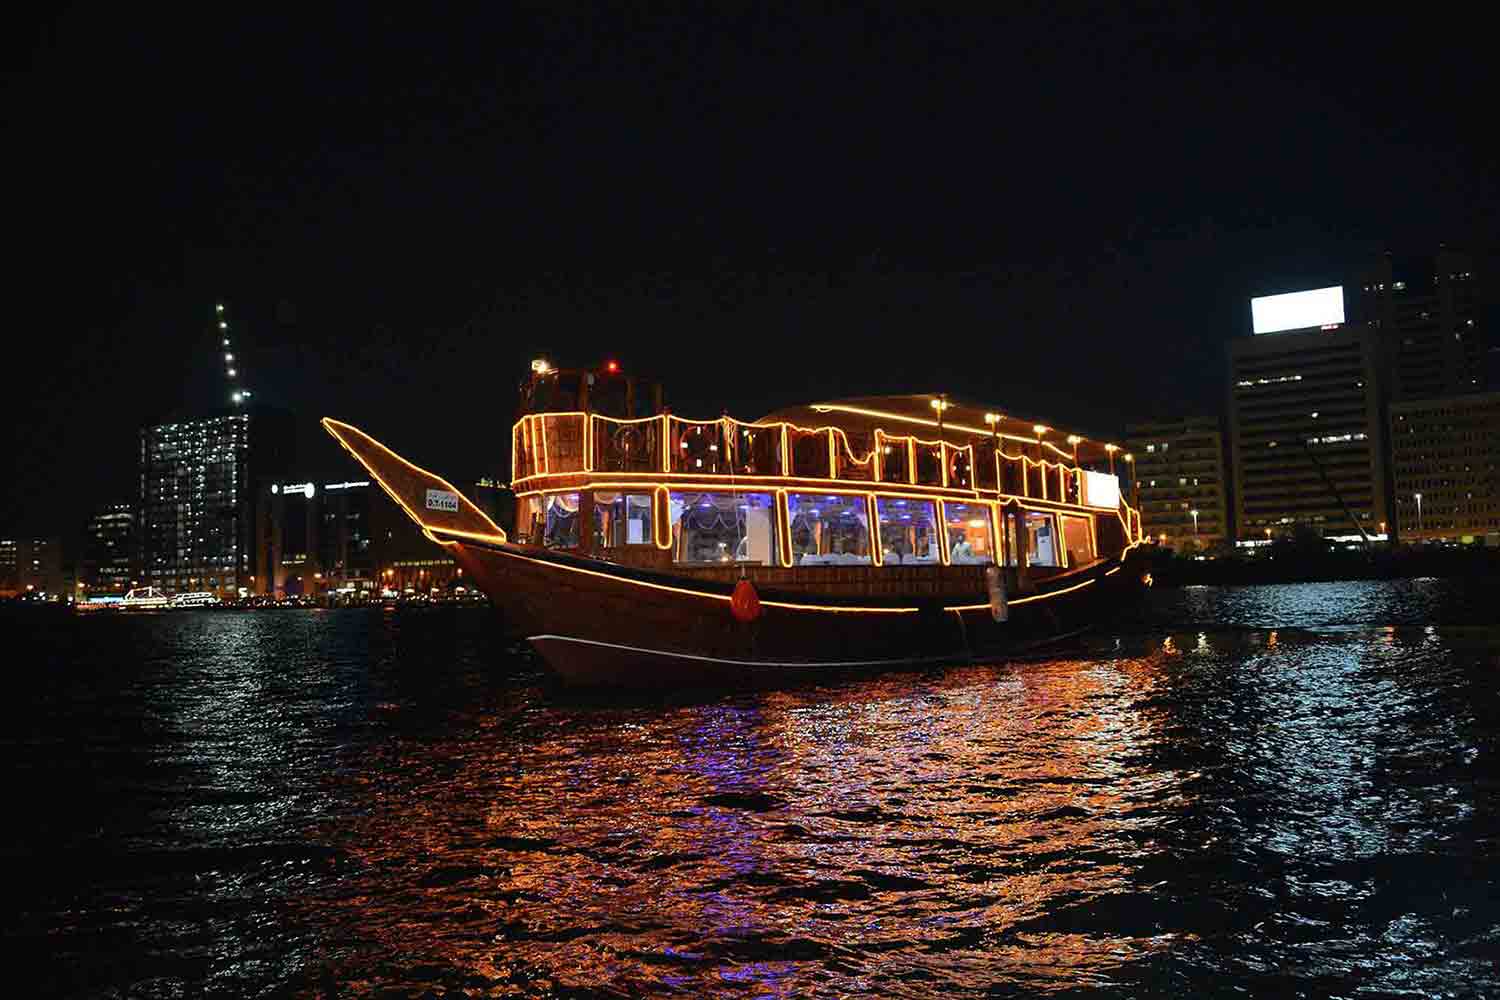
{"x":1298,"y":310}
{"x":1100,"y":489}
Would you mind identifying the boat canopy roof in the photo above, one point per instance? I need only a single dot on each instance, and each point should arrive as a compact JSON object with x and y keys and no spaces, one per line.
{"x":962,"y":421}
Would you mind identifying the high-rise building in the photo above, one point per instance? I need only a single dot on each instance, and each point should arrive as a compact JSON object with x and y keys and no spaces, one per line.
{"x":1179,"y":474}
{"x":1305,"y":427}
{"x":196,"y":511}
{"x":10,"y":567}
{"x":110,"y":549}
{"x":1445,"y":460}
{"x":317,"y":537}
{"x":32,"y":566}
{"x":1428,"y":313}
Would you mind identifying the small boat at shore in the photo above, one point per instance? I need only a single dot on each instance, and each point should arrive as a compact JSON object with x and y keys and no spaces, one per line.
{"x":144,"y":599}
{"x":147,"y":599}
{"x":653,"y":550}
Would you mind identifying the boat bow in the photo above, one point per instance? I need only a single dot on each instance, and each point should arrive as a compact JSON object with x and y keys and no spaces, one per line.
{"x":438,"y":507}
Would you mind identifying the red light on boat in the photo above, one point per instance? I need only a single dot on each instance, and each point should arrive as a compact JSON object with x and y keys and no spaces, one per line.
{"x":613,"y":367}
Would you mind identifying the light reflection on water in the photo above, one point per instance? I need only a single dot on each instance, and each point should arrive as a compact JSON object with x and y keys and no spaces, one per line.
{"x":1190,"y":803}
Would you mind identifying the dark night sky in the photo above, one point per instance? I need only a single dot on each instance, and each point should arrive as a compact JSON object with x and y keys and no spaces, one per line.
{"x":1060,"y":213}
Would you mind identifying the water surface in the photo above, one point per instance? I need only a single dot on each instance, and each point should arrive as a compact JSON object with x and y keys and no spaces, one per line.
{"x":1257,"y":790}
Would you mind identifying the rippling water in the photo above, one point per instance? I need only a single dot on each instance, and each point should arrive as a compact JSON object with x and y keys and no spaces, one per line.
{"x":1250,"y":791}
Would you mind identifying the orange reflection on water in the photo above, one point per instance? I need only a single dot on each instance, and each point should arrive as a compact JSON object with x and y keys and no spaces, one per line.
{"x":943,"y":832}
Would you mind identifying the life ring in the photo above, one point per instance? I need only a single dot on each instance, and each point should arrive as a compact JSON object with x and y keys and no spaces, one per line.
{"x":699,"y":452}
{"x":958,"y":469}
{"x":626,"y":442}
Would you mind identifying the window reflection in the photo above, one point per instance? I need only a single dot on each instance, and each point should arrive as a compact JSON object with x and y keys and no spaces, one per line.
{"x":895,"y":460}
{"x":970,"y":534}
{"x":622,"y":519}
{"x":560,"y":530}
{"x":1041,"y":540}
{"x":1077,"y":540}
{"x":712,"y":528}
{"x":908,"y":531}
{"x":828,"y":530}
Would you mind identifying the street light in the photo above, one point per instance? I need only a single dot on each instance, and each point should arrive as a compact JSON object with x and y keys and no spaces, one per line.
{"x":1418,"y":497}
{"x":1194,"y":512}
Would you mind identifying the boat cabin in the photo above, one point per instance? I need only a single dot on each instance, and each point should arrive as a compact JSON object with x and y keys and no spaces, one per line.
{"x":602,"y":470}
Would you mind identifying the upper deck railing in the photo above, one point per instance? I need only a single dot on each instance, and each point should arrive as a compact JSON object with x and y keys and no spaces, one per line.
{"x":671,"y":448}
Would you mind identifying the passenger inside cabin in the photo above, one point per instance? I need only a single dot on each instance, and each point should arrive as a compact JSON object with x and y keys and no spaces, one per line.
{"x":962,"y":551}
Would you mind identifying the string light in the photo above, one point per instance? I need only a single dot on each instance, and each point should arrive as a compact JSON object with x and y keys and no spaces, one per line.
{"x":530,"y":433}
{"x":949,"y":425}
{"x":346,"y":433}
{"x":343,"y":433}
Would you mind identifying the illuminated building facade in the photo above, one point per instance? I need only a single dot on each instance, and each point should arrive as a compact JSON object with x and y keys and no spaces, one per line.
{"x":1445,"y":459}
{"x":1179,"y":472}
{"x":10,"y":567}
{"x":196,"y":511}
{"x":1305,"y":430}
{"x":318,"y":537}
{"x":110,"y":549}
{"x":1428,"y":315}
{"x":32,"y":566}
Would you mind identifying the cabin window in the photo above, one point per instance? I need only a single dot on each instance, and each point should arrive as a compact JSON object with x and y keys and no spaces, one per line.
{"x":856,"y":456}
{"x":710,"y":528}
{"x":970,"y":533}
{"x":1036,"y":482}
{"x":622,"y":519}
{"x":1077,"y":540}
{"x":908,"y":531}
{"x":560,"y":528}
{"x":1012,"y":476}
{"x":529,"y":521}
{"x":895,"y":459}
{"x":809,"y":453}
{"x":929,"y":463}
{"x":829,"y":530}
{"x":1041,"y":540}
{"x":756,"y":450}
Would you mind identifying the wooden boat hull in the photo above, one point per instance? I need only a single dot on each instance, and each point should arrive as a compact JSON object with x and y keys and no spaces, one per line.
{"x":599,"y":622}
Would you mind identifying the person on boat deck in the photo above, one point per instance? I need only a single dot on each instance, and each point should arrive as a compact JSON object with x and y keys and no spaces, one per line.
{"x":962,"y":551}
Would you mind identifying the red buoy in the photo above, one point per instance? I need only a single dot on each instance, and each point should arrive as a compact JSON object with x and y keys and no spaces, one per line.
{"x":745,"y":603}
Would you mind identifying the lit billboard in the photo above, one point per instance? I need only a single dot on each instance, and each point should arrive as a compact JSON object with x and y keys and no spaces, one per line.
{"x":1100,"y":489}
{"x":1298,"y":310}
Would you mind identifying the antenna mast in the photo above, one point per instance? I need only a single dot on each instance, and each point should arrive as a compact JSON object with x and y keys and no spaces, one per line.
{"x":238,"y":395}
